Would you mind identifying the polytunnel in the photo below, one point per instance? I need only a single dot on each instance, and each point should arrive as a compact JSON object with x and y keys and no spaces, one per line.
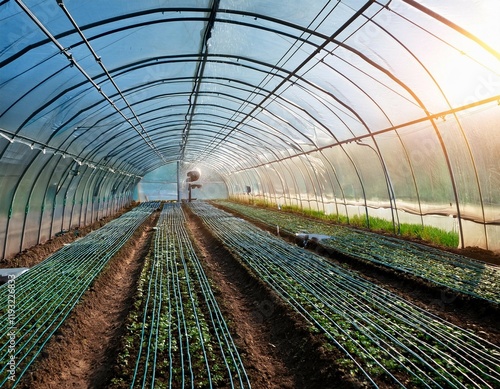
{"x":249,"y":193}
{"x":371,"y":108}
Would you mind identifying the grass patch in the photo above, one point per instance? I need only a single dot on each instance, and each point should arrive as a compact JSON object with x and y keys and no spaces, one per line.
{"x":429,"y":234}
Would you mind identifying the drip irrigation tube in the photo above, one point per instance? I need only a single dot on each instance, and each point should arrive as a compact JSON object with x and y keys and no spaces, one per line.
{"x":184,"y":339}
{"x":382,"y":335}
{"x":456,"y":272}
{"x":46,"y":294}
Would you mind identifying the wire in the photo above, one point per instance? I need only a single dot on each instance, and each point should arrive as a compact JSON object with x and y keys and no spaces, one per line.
{"x":48,"y":292}
{"x":456,"y":272}
{"x":180,"y":311}
{"x":382,"y":335}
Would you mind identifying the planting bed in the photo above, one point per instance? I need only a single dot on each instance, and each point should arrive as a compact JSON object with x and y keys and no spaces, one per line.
{"x":47,"y":293}
{"x":384,"y":338}
{"x":456,"y":272}
{"x":176,"y":334}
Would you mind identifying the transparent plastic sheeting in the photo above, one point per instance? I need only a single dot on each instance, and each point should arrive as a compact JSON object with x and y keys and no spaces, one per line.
{"x":382,"y":107}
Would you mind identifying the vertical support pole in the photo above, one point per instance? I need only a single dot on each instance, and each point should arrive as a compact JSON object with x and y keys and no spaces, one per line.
{"x":179,"y":181}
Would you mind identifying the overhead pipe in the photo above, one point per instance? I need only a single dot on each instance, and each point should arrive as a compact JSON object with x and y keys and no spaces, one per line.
{"x":193,"y":98}
{"x":74,"y":63}
{"x":296,"y":70}
{"x":110,"y":78}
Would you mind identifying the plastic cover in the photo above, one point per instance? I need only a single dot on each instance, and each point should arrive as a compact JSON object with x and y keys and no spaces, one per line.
{"x":386,"y":108}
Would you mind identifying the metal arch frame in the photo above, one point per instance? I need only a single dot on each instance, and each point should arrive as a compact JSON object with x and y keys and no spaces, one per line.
{"x":161,"y":11}
{"x":33,"y":185}
{"x":442,"y":145}
{"x":309,"y":115}
{"x":233,"y":80}
{"x":45,"y":195}
{"x":198,"y":79}
{"x":405,"y":150}
{"x":13,"y":199}
{"x":28,"y":199}
{"x":285,"y":188}
{"x":334,"y":171}
{"x":404,"y":86}
{"x":124,"y":149}
{"x":292,"y":103}
{"x":89,"y":78}
{"x":86,"y":171}
{"x":286,"y":168}
{"x":491,"y":51}
{"x":294,"y":72}
{"x":304,"y":30}
{"x":65,"y":141}
{"x":312,"y":32}
{"x":311,"y":180}
{"x":109,"y":77}
{"x":482,"y":44}
{"x":220,"y":107}
{"x":65,"y":186}
{"x":452,"y":25}
{"x":342,"y":148}
{"x":84,"y":83}
{"x":457,"y":205}
{"x":389,"y":185}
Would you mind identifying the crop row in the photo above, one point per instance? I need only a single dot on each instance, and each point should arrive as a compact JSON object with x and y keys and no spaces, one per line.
{"x":453,"y":271}
{"x":383,"y":336}
{"x":35,"y":304}
{"x":176,"y":335}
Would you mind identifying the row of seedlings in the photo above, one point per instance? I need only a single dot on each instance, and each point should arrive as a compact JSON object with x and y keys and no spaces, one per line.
{"x":382,"y":336}
{"x":456,"y":272}
{"x":35,"y":304}
{"x":176,"y":335}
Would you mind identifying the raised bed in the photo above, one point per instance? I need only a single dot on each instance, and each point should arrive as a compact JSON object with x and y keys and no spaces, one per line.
{"x":176,"y":335}
{"x":385,"y":339}
{"x":35,"y":304}
{"x":456,"y":272}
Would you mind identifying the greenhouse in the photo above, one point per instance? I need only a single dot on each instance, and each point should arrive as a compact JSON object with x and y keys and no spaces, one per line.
{"x":245,"y":193}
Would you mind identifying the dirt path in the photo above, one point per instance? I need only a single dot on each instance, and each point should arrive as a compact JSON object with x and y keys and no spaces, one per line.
{"x":278,"y":350}
{"x":82,"y":352}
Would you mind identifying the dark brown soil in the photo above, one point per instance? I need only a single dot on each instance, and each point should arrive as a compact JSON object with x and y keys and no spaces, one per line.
{"x":277,"y":346}
{"x":480,"y":254}
{"x":82,"y":352}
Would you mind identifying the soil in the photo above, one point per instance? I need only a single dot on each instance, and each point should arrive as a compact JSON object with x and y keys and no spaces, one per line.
{"x":82,"y":352}
{"x":277,"y":345}
{"x":474,"y":252}
{"x":34,"y":255}
{"x":478,"y":253}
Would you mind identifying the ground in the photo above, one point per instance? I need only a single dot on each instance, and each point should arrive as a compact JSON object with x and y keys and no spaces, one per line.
{"x":278,"y":349}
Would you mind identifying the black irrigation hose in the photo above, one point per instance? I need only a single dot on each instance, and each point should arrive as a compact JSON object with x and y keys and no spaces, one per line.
{"x":46,"y":294}
{"x":382,"y":333}
{"x":181,"y":312}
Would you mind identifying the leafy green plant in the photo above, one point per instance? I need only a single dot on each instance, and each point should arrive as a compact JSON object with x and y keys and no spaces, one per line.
{"x":176,"y":333}
{"x":442,"y":268}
